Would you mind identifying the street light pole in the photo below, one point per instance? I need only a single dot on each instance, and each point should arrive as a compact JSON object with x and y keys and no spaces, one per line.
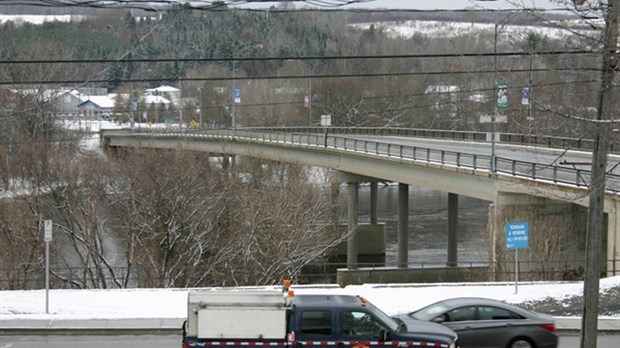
{"x":494,"y":115}
{"x":232,"y":108}
{"x":310,"y":101}
{"x":201,"y":106}
{"x":529,"y":96}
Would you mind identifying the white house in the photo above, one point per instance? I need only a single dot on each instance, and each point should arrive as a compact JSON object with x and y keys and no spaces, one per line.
{"x":96,"y":106}
{"x":444,"y":98}
{"x":173,"y":93}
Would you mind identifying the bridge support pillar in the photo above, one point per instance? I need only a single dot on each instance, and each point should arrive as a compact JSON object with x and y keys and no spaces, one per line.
{"x":556,"y":236}
{"x":403,"y":225}
{"x":228,"y":161}
{"x":353,"y":181}
{"x":352,"y":192}
{"x":374,"y":196}
{"x":453,"y":211}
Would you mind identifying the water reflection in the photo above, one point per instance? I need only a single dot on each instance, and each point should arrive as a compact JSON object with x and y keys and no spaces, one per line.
{"x":428,"y":224}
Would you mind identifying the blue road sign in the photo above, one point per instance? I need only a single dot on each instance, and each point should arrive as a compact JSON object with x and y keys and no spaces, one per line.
{"x":517,"y":235}
{"x":237,"y":95}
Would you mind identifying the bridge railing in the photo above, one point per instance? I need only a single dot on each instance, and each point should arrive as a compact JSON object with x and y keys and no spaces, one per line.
{"x":554,"y":142}
{"x":554,"y":173}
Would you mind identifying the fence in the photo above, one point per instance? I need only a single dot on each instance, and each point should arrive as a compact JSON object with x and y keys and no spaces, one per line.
{"x":28,"y":278}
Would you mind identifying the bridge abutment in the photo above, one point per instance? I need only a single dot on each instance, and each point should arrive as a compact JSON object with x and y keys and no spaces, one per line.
{"x":556,"y":235}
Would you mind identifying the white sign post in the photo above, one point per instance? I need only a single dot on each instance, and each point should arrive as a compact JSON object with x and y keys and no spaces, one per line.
{"x":326,"y":121}
{"x":47,"y":237}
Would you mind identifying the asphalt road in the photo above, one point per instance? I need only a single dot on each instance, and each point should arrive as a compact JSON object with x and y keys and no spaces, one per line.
{"x":174,"y":341}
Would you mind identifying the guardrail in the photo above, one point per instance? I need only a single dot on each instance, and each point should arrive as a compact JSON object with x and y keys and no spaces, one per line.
{"x":552,"y":173}
{"x":554,"y":142}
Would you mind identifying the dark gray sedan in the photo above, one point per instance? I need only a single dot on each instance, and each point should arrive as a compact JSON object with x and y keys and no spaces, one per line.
{"x":482,"y":322}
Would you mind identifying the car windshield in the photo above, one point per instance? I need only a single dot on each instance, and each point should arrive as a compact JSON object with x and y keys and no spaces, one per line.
{"x":386,"y":319}
{"x":429,"y":312}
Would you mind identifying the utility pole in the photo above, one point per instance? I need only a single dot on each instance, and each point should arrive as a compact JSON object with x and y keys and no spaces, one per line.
{"x":596,"y":214}
{"x":494,"y":115}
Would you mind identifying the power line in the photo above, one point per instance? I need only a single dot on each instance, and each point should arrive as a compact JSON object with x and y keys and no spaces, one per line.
{"x":360,"y":57}
{"x":233,"y":5}
{"x":291,"y":77}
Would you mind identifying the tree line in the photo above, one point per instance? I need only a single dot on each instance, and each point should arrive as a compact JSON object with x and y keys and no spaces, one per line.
{"x":395,"y":91}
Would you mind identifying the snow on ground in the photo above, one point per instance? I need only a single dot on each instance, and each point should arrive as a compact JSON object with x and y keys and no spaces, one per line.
{"x":171,"y":303}
{"x":407,"y":29}
{"x":39,"y":19}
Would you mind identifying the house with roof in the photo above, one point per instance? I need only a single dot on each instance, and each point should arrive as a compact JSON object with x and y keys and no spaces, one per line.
{"x":65,"y":101}
{"x":96,"y":106}
{"x":173,"y":94}
{"x":444,"y":99}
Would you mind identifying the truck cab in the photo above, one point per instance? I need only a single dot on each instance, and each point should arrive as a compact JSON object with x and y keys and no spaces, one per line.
{"x":347,"y":321}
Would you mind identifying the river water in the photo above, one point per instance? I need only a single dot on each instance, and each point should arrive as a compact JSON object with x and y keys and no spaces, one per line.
{"x":428,"y":224}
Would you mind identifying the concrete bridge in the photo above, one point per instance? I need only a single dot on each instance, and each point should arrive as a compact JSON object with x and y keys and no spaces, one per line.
{"x":546,"y":174}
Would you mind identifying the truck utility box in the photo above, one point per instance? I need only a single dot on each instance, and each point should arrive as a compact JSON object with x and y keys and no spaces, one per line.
{"x":236,"y":314}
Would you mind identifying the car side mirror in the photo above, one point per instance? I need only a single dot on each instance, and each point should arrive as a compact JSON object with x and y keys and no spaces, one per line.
{"x":439,"y":320}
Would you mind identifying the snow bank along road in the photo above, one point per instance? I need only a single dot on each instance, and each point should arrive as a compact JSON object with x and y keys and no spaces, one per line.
{"x":147,"y":310}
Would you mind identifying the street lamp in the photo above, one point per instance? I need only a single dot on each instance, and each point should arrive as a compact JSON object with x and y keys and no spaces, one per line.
{"x":495,"y":99}
{"x":236,"y":92}
{"x":234,"y":95}
{"x":496,"y":90}
{"x":495,"y":87}
{"x":200,"y":106}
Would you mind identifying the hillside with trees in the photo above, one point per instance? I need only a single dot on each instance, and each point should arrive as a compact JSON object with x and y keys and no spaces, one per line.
{"x":385,"y":82}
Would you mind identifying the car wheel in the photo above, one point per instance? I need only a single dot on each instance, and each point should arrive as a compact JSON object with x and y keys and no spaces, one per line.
{"x":521,"y":342}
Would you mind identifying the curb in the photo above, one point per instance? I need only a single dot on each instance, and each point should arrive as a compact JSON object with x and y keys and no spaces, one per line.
{"x":173,"y":325}
{"x":65,"y":326}
{"x":574,"y":324}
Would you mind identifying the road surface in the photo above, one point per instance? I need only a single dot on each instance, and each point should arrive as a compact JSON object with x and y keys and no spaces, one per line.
{"x":174,"y":341}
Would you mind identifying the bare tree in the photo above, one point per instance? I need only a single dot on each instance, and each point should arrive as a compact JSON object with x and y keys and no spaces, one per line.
{"x":168,"y":218}
{"x":281,"y":223}
{"x":21,"y":251}
{"x":203,"y":226}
